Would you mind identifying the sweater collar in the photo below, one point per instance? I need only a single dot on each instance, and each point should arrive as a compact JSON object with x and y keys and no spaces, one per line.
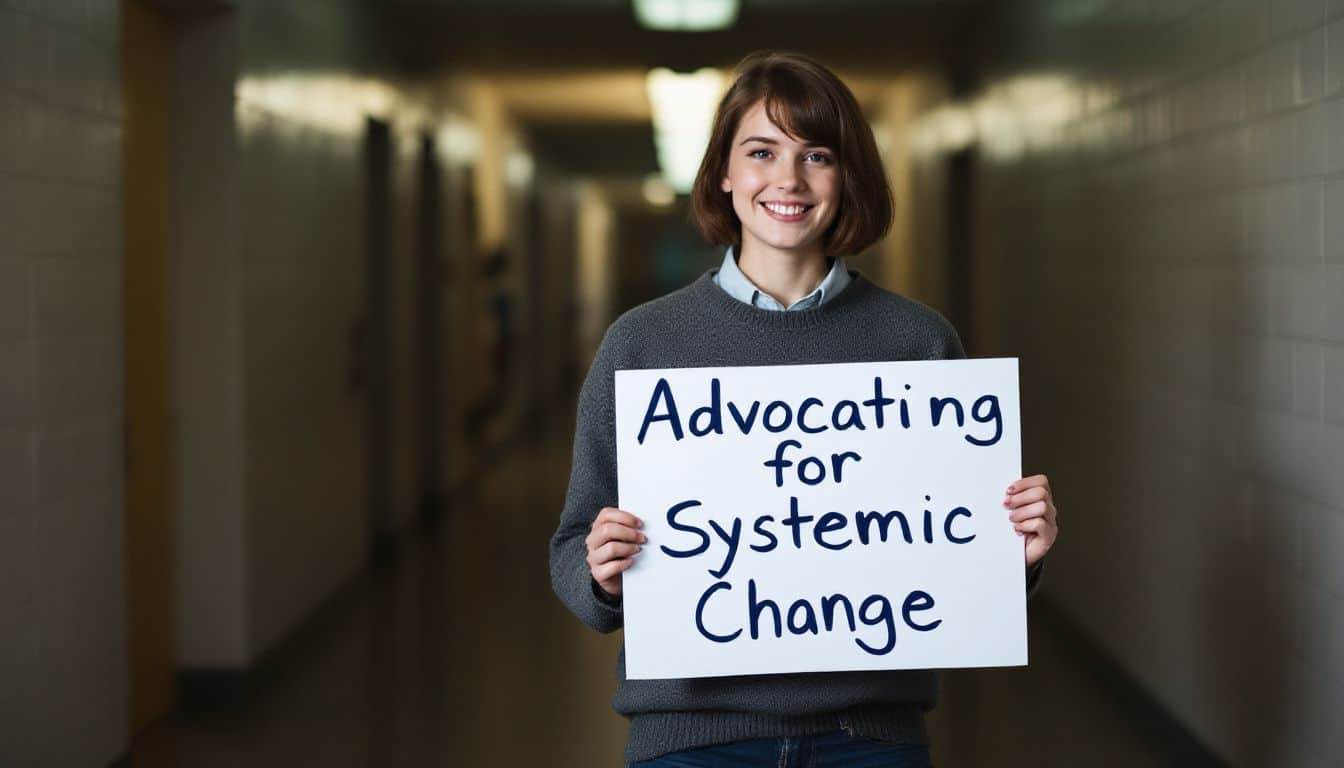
{"x":719,"y":303}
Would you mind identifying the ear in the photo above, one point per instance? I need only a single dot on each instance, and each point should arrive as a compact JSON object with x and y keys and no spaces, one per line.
{"x":726,"y":185}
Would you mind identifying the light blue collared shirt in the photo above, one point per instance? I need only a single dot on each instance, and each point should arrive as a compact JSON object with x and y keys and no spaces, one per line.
{"x":731,"y":279}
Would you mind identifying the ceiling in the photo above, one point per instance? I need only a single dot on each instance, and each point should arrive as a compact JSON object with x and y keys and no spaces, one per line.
{"x":530,"y":35}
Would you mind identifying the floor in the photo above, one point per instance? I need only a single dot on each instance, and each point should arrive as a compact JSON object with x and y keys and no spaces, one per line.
{"x":462,"y":656}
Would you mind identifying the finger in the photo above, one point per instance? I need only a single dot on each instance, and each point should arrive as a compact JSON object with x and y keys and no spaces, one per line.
{"x":605,"y":532}
{"x":1037,"y":493}
{"x":613,"y":550}
{"x":1037,"y":546}
{"x":611,"y":568}
{"x":614,"y":515}
{"x":1035,"y":509}
{"x":1034,"y":525}
{"x":1028,"y":482}
{"x":618,"y":532}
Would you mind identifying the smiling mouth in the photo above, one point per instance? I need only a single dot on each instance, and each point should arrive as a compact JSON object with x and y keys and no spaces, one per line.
{"x":786,"y":212}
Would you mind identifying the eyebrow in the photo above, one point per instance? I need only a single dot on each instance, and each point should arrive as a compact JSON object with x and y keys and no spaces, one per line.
{"x":765,"y":140}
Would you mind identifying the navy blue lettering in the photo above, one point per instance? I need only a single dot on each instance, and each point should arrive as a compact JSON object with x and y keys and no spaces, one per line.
{"x":831,"y":521}
{"x":774,"y":407}
{"x":756,"y":607}
{"x":664,"y":391}
{"x":795,"y":521}
{"x":672,"y":521}
{"x":838,"y":462}
{"x":700,"y":614}
{"x":918,"y":600}
{"x":855,"y":420}
{"x":947,"y":526}
{"x":744,"y":424}
{"x":938,"y":404}
{"x":810,"y":402}
{"x":779,"y":462}
{"x":993,"y":415}
{"x":864,"y":521}
{"x":809,"y":622}
{"x":883,"y":618}
{"x":828,"y":611}
{"x":878,"y":403}
{"x":812,"y":461}
{"x":731,"y":539}
{"x":711,"y":412}
{"x":774,"y":542}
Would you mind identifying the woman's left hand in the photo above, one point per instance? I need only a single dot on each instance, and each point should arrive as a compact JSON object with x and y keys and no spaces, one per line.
{"x":1031,"y":508}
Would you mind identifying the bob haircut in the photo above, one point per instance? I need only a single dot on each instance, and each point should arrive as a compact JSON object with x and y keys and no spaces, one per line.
{"x":808,"y":102}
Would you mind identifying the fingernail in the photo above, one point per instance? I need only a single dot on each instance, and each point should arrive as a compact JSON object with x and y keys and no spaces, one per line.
{"x":639,"y":522}
{"x":643,"y":538}
{"x":1012,"y":488}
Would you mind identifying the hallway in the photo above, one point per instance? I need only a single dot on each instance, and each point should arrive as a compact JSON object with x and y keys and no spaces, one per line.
{"x":286,"y":287}
{"x":460,"y":655}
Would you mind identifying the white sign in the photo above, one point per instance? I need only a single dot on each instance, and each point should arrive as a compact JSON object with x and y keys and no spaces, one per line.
{"x":812,"y":518}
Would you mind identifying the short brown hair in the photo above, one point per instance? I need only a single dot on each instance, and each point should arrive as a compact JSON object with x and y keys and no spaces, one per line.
{"x":807,"y":101}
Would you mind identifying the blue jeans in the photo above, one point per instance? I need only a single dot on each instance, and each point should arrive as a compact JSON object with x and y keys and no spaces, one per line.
{"x":825,"y":750}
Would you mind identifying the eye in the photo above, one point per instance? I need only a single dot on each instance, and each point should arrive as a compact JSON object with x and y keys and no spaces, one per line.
{"x":756,"y":152}
{"x":820,"y":157}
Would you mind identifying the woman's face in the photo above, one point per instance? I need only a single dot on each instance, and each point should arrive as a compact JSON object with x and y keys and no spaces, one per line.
{"x":786,"y":193}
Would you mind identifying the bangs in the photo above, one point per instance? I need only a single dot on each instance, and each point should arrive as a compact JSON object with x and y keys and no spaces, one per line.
{"x":802,"y":110}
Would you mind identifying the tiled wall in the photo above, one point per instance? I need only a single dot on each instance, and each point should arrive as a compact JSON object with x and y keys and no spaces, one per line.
{"x":302,"y":257}
{"x":1158,"y":235}
{"x":62,"y":563}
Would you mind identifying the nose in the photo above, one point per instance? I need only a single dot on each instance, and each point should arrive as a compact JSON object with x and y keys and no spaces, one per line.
{"x":788,"y":178}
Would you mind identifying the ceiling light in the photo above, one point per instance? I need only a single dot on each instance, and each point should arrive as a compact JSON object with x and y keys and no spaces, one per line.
{"x":686,"y":15}
{"x":657,"y":191}
{"x":683,"y":110}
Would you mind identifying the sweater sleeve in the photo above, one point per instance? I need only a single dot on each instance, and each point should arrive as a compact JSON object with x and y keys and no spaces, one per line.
{"x":592,"y":486}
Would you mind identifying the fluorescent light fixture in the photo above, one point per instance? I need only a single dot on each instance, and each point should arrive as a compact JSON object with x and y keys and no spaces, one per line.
{"x":459,"y":141}
{"x":686,"y":15}
{"x":333,"y":102}
{"x":657,"y":192}
{"x":683,"y":110}
{"x":518,"y":168}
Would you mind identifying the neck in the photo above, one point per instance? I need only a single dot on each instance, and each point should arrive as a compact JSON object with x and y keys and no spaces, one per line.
{"x":785,"y":276}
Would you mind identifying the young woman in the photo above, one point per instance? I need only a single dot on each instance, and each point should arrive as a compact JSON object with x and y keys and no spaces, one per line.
{"x":791,"y":182}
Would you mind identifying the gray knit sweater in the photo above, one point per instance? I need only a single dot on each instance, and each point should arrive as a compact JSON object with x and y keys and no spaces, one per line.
{"x":697,"y":326}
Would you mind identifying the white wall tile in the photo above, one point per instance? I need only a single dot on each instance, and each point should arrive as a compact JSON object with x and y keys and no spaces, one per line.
{"x":1334,"y":221}
{"x":1332,"y":309}
{"x":1312,"y":140}
{"x":1334,"y":56}
{"x":16,"y":383}
{"x":1288,"y":16}
{"x":1308,"y":376}
{"x":1334,"y":129}
{"x":1333,"y":383}
{"x":16,"y":473}
{"x":1311,"y":66}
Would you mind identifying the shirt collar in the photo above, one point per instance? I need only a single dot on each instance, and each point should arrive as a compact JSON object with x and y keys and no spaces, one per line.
{"x":731,"y":279}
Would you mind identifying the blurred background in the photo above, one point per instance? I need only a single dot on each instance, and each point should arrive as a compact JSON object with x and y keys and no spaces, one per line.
{"x":295,"y":297}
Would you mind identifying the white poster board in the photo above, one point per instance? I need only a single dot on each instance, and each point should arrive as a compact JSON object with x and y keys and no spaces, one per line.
{"x":765,"y":493}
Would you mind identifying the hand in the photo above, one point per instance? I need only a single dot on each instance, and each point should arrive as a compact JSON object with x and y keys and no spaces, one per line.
{"x":612,"y":544}
{"x":1032,"y":511}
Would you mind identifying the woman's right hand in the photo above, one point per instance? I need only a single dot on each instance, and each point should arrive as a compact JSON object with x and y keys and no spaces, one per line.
{"x":612,"y":544}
